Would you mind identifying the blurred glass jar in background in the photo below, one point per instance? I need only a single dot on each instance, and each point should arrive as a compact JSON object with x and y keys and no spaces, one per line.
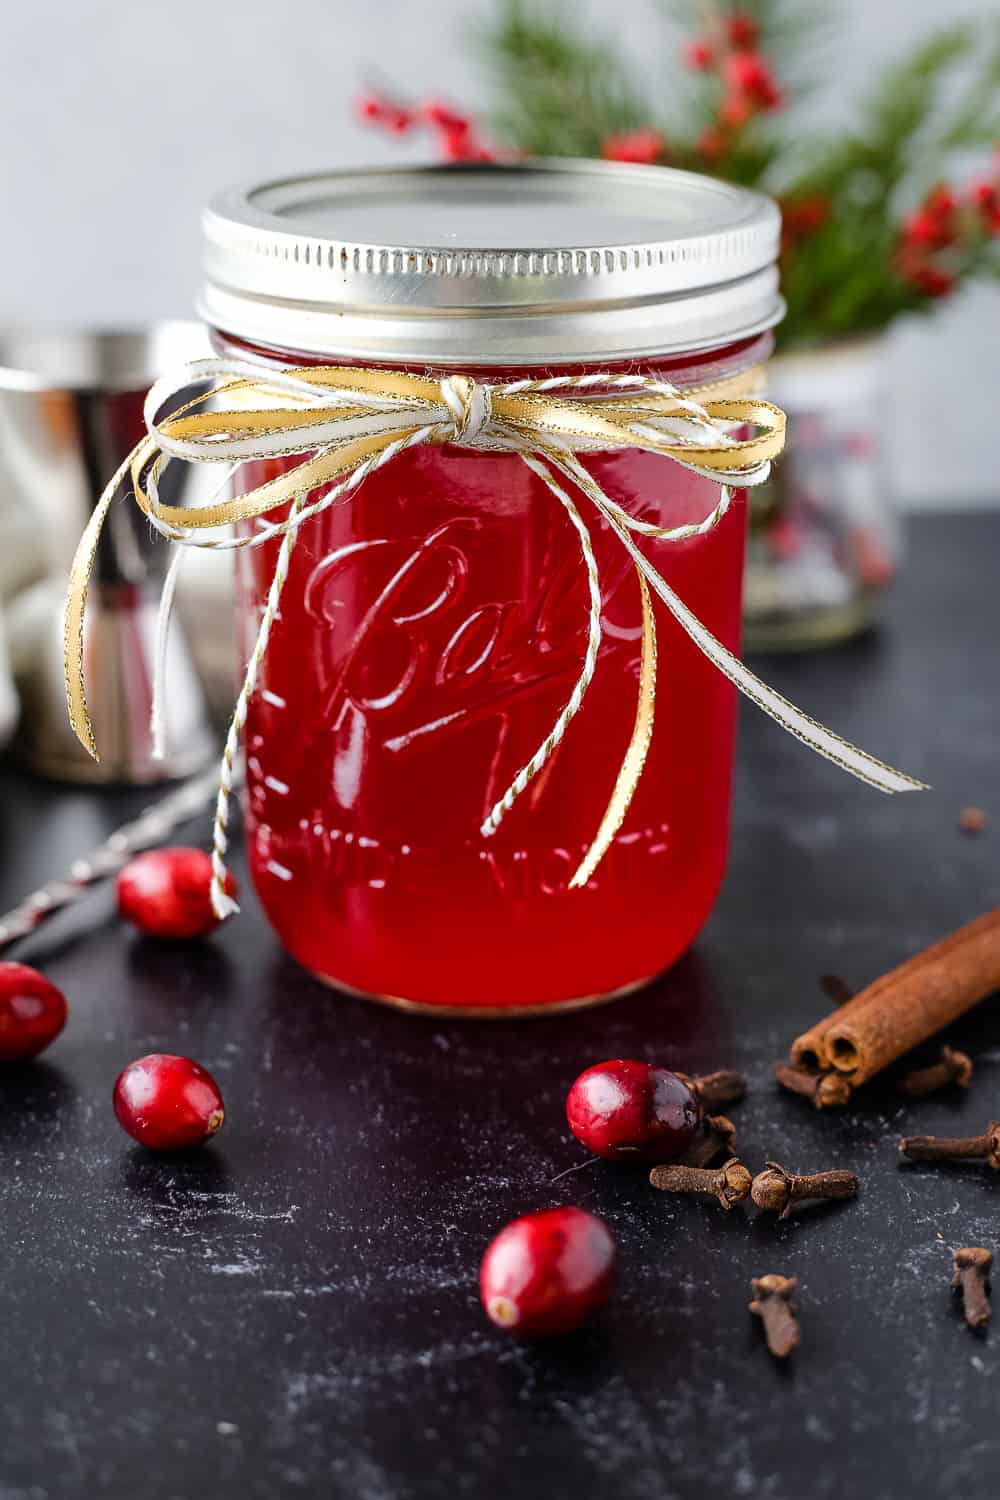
{"x":824,"y":539}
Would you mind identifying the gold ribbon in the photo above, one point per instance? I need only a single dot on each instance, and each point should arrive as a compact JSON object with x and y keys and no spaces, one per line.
{"x":334,"y":425}
{"x":542,"y":416}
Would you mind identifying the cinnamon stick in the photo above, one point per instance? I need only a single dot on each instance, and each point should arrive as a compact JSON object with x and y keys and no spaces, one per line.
{"x":914,"y":1001}
{"x":808,"y":1052}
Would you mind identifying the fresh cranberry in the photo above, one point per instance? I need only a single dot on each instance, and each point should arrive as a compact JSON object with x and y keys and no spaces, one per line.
{"x":168,"y":1103}
{"x":167,"y":893}
{"x":629,"y":1109}
{"x":546,"y":1273}
{"x":32,"y":1012}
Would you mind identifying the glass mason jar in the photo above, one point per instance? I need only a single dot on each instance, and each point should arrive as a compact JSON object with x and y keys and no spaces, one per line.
{"x":825,"y":540}
{"x":432,"y":625}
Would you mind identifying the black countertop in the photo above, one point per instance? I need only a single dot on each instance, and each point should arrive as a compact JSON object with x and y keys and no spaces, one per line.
{"x":294,"y":1310}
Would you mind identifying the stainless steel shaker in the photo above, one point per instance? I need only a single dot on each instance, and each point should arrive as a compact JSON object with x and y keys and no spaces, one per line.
{"x":70,"y":410}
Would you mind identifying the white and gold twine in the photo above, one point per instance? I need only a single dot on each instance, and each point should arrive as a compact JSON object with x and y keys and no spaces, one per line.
{"x":339,"y":425}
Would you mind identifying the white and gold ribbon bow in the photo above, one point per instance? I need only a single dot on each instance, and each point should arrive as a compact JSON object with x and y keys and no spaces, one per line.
{"x":336,"y":426}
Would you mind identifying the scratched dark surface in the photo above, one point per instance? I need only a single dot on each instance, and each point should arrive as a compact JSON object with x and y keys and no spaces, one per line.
{"x":294,"y":1311}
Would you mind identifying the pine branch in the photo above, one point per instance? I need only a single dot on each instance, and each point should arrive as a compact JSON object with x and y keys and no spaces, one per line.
{"x":908,"y":97}
{"x":976,"y":120}
{"x":563,"y":94}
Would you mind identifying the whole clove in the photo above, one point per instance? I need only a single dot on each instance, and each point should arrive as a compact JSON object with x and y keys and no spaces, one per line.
{"x":730,"y":1183}
{"x":971,"y":1277}
{"x":772,"y":1303}
{"x":824,"y":1090}
{"x":835,"y":988}
{"x":776,"y":1190}
{"x":953,"y":1067}
{"x":715,"y":1090}
{"x":959,"y":1148}
{"x":715,"y":1142}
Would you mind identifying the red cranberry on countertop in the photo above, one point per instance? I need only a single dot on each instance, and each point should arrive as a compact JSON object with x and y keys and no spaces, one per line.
{"x":167,"y":893}
{"x":168,"y":1103}
{"x":32,"y":1012}
{"x":625,"y":1109}
{"x":547,"y":1272}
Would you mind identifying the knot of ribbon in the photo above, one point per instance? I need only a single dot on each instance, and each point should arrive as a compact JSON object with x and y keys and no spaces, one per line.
{"x":470,"y":404}
{"x":334,"y":426}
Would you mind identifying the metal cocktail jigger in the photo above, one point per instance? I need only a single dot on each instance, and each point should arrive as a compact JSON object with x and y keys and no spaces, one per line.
{"x":70,"y":410}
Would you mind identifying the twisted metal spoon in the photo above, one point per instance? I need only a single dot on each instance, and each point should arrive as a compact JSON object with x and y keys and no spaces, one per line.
{"x":153,"y":826}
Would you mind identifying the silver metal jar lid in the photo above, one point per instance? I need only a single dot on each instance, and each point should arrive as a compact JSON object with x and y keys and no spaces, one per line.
{"x":542,"y":262}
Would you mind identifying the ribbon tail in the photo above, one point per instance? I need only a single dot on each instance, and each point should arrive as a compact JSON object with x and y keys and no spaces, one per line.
{"x":810,"y":731}
{"x":76,"y":606}
{"x":552,"y":740}
{"x":635,"y":755}
{"x":158,"y":712}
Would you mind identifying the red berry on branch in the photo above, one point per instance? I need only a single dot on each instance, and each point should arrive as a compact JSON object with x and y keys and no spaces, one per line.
{"x":698,"y":54}
{"x":771,"y":98}
{"x":632,"y":1111}
{"x":168,"y":1103}
{"x":32,"y":1012}
{"x":741,"y":30}
{"x":934,"y":282}
{"x":547,"y":1272}
{"x":749,"y":76}
{"x":711,"y":143}
{"x":645,"y":146}
{"x":923,"y":228}
{"x":940,"y":202}
{"x":804,"y":215}
{"x":167,"y":893}
{"x":464,"y":147}
{"x":736,"y":110}
{"x":458,"y":144}
{"x":745,"y":72}
{"x":984,"y":194}
{"x":369,"y":107}
{"x":445,"y":118}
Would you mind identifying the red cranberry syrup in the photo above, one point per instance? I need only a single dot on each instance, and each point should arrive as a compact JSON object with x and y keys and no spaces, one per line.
{"x":430,"y":631}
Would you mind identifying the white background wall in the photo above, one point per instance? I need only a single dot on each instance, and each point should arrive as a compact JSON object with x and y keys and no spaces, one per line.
{"x":119,"y":118}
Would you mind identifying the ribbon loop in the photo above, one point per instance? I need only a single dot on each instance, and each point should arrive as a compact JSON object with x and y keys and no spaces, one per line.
{"x":331,"y":427}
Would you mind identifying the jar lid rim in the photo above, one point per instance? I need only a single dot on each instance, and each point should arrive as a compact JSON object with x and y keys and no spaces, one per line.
{"x":540,"y":240}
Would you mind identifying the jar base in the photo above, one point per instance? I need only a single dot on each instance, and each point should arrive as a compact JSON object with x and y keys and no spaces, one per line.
{"x":485,"y":1012}
{"x":810,"y":630}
